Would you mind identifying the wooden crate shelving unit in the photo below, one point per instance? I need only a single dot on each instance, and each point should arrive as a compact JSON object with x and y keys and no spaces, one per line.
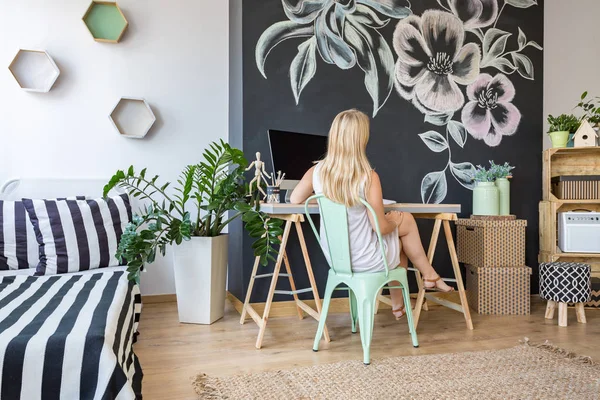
{"x":557,"y":162}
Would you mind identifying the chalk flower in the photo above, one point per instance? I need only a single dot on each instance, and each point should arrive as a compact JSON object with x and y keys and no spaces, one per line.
{"x":475,"y":13}
{"x":433,"y":60}
{"x":489,"y":114}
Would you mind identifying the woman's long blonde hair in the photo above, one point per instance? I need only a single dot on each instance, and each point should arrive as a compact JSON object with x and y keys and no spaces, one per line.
{"x":345,"y":170}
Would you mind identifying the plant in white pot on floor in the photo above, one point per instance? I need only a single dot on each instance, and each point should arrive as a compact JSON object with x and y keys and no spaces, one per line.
{"x":191,"y":216}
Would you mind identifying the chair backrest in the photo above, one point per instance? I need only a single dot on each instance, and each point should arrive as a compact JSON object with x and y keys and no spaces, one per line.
{"x":334,"y":217}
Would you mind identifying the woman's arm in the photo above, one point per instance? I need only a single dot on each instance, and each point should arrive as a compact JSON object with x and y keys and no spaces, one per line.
{"x":374,"y":195}
{"x":304,"y":189}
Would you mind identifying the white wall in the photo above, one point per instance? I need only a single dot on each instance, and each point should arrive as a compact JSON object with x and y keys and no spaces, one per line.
{"x":174,"y":54}
{"x":571,"y":54}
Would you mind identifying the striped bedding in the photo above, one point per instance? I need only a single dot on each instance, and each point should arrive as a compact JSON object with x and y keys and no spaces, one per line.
{"x":69,"y":336}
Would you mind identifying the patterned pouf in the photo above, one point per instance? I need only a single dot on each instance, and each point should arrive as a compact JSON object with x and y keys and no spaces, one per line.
{"x":562,"y":282}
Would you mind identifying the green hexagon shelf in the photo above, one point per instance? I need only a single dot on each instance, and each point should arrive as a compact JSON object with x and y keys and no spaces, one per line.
{"x":34,"y":70}
{"x":105,"y":21}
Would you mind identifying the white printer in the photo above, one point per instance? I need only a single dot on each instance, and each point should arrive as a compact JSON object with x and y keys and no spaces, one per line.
{"x":579,"y":232}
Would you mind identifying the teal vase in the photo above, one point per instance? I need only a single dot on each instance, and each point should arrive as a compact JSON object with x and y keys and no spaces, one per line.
{"x":503,"y":186}
{"x":486,"y":199}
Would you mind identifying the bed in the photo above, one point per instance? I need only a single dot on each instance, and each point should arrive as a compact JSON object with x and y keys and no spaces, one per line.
{"x":67,"y":336}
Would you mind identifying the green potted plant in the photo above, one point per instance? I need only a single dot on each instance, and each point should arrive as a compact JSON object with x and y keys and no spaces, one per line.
{"x":485,"y":194}
{"x":561,"y":127}
{"x":191,"y":216}
{"x":501,"y":173}
{"x":590,"y":112}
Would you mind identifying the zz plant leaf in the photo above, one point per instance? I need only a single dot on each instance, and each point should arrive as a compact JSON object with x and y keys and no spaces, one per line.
{"x":206,"y":198}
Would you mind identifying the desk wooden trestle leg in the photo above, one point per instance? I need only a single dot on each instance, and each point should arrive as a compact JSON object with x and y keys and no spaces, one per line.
{"x":440,"y":219}
{"x":295,"y":219}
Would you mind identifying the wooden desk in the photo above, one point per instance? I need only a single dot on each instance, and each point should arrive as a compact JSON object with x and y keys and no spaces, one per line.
{"x":294,"y":214}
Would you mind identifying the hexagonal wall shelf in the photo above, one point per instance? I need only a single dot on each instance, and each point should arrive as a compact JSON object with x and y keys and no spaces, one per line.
{"x":132,"y":117}
{"x":105,"y":21}
{"x":34,"y":70}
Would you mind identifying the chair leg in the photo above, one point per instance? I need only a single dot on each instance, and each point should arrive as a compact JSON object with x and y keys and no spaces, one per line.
{"x":353,"y":309}
{"x":326,"y":300}
{"x":409,"y":313}
{"x":580,"y":311}
{"x":366,"y":312}
{"x":562,"y":314}
{"x":550,"y":307}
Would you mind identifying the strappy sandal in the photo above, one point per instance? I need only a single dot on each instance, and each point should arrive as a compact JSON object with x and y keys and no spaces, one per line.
{"x":434,"y":287}
{"x":401,"y":310}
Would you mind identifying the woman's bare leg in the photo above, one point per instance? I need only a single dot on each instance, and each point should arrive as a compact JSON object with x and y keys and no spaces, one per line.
{"x":412,"y":246}
{"x":396,"y":294}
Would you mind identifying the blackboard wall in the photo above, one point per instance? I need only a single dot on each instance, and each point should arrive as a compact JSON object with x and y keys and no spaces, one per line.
{"x":498,"y":71}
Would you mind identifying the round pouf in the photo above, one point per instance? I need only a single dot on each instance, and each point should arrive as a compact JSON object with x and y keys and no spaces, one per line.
{"x":562,"y":283}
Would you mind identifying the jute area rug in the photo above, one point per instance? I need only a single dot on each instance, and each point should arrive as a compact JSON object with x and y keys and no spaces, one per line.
{"x":523,"y":372}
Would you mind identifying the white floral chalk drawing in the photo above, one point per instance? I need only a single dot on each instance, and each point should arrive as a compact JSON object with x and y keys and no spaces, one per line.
{"x":345,"y":33}
{"x":442,"y":55}
{"x":435,"y":61}
{"x":489,"y":114}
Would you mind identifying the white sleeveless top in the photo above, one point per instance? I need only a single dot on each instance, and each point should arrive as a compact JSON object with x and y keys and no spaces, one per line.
{"x":364,"y":245}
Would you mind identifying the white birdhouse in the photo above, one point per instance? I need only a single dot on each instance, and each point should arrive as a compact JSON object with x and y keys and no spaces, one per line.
{"x":585,"y":135}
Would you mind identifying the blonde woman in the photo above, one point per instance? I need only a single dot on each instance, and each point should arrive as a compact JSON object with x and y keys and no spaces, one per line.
{"x":344,"y":176}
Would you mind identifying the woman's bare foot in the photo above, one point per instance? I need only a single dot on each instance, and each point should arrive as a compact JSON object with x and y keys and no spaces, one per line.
{"x":398,"y":310}
{"x":436,"y":282}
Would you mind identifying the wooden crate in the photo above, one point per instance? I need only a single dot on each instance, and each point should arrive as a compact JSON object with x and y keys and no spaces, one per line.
{"x":499,"y":290}
{"x":576,"y":187}
{"x":491,"y":243}
{"x":548,"y":234}
{"x":568,"y":162}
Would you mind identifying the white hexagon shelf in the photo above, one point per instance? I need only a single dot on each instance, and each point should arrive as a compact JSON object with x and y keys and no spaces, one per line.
{"x":132,"y":117}
{"x":34,"y":70}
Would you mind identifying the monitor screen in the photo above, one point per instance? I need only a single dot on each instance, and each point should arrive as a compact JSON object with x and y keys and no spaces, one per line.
{"x":294,"y":153}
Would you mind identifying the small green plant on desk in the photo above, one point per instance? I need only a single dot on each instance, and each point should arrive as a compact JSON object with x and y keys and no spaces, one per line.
{"x":215,"y":186}
{"x":561,"y":127}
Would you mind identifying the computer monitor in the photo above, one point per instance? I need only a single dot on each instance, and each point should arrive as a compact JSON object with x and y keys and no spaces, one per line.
{"x":294,"y":153}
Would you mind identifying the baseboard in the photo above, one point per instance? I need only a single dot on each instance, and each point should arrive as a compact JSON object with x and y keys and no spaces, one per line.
{"x":159,"y":298}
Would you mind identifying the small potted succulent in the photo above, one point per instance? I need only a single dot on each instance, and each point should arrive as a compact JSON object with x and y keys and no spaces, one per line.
{"x":501,"y":173}
{"x":561,"y":127}
{"x":486,"y":197}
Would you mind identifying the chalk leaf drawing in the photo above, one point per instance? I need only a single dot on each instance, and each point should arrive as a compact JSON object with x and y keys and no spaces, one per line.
{"x":434,"y":187}
{"x":437,"y":65}
{"x":344,"y":33}
{"x":489,"y":114}
{"x":434,"y":141}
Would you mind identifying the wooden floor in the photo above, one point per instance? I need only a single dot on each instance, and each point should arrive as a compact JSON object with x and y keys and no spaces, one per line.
{"x":172,"y":353}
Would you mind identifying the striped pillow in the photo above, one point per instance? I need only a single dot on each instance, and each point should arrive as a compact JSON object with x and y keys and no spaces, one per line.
{"x":18,"y":245}
{"x":78,"y":235}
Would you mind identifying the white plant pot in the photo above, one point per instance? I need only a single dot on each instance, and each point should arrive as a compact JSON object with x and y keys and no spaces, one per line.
{"x":200,"y":274}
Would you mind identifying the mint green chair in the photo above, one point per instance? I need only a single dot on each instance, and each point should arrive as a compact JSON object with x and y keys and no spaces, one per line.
{"x":363,"y":288}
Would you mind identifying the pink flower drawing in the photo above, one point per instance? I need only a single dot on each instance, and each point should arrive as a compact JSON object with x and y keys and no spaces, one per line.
{"x":489,"y":114}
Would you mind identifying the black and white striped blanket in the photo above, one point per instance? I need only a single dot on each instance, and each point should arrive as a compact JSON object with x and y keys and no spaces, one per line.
{"x":69,"y":337}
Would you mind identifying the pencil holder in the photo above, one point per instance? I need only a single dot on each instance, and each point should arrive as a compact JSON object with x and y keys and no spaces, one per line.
{"x":273,"y":194}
